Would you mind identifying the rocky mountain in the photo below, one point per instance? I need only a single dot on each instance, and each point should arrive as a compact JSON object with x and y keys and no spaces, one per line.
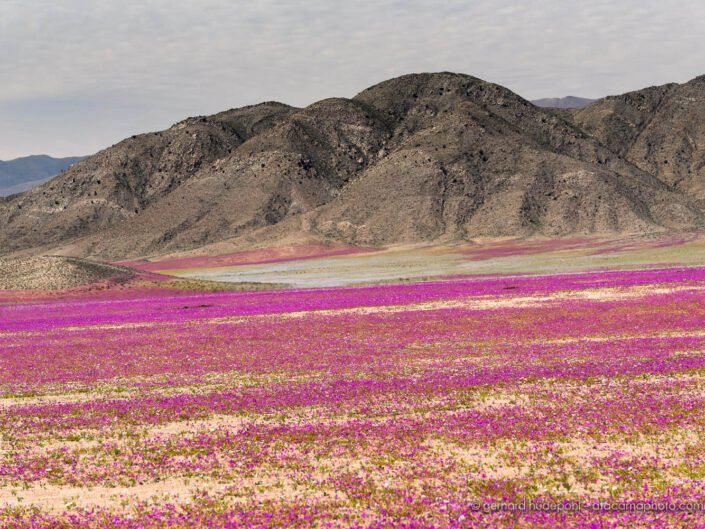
{"x":660,"y":129}
{"x":563,"y":102}
{"x":24,"y":173}
{"x":426,"y":157}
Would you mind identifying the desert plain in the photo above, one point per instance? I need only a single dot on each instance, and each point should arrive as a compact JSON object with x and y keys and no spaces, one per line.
{"x":504,"y":383}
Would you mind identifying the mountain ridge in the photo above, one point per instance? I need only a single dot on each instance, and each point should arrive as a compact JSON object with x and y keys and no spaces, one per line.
{"x":434,"y":157}
{"x":563,"y":102}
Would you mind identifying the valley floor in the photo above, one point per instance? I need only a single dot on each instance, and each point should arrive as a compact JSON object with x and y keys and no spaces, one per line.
{"x":319,"y":266}
{"x":494,"y":400}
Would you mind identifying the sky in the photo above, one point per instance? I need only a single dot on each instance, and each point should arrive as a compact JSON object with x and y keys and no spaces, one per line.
{"x":77,"y":76}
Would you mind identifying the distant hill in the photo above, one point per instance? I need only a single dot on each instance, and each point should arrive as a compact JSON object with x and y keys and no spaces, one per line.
{"x":563,"y":102}
{"x":433,"y":157}
{"x":24,"y":173}
{"x":56,"y":273}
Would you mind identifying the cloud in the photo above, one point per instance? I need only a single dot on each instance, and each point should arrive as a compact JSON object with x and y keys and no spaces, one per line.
{"x":81,"y":74}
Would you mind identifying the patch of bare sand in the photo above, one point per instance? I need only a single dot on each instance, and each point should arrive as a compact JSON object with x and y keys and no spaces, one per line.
{"x":68,"y":398}
{"x":563,"y":466}
{"x":54,"y":498}
{"x":123,"y":389}
{"x":616,"y":337}
{"x":261,"y":486}
{"x":546,"y":390}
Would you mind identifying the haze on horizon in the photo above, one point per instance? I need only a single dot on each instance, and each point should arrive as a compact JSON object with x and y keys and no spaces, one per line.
{"x":80,"y":75}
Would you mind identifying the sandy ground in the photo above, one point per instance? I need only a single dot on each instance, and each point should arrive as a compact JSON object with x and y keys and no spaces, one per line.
{"x":391,"y":265}
{"x":55,"y":273}
{"x":407,"y":263}
{"x":493,"y":460}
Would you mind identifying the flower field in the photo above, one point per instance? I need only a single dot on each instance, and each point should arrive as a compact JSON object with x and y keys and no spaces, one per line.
{"x":499,"y":401}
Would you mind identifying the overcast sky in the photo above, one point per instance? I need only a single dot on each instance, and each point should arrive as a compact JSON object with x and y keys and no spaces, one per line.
{"x":79,"y":75}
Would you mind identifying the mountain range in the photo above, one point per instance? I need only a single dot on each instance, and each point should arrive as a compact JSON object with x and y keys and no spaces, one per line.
{"x":24,"y":173}
{"x":439,"y":158}
{"x":563,"y":102}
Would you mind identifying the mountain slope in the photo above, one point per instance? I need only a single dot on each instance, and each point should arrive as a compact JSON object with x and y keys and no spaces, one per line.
{"x":30,"y":171}
{"x":659,"y":129}
{"x":118,"y":183}
{"x":468,"y":158}
{"x":425,"y":157}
